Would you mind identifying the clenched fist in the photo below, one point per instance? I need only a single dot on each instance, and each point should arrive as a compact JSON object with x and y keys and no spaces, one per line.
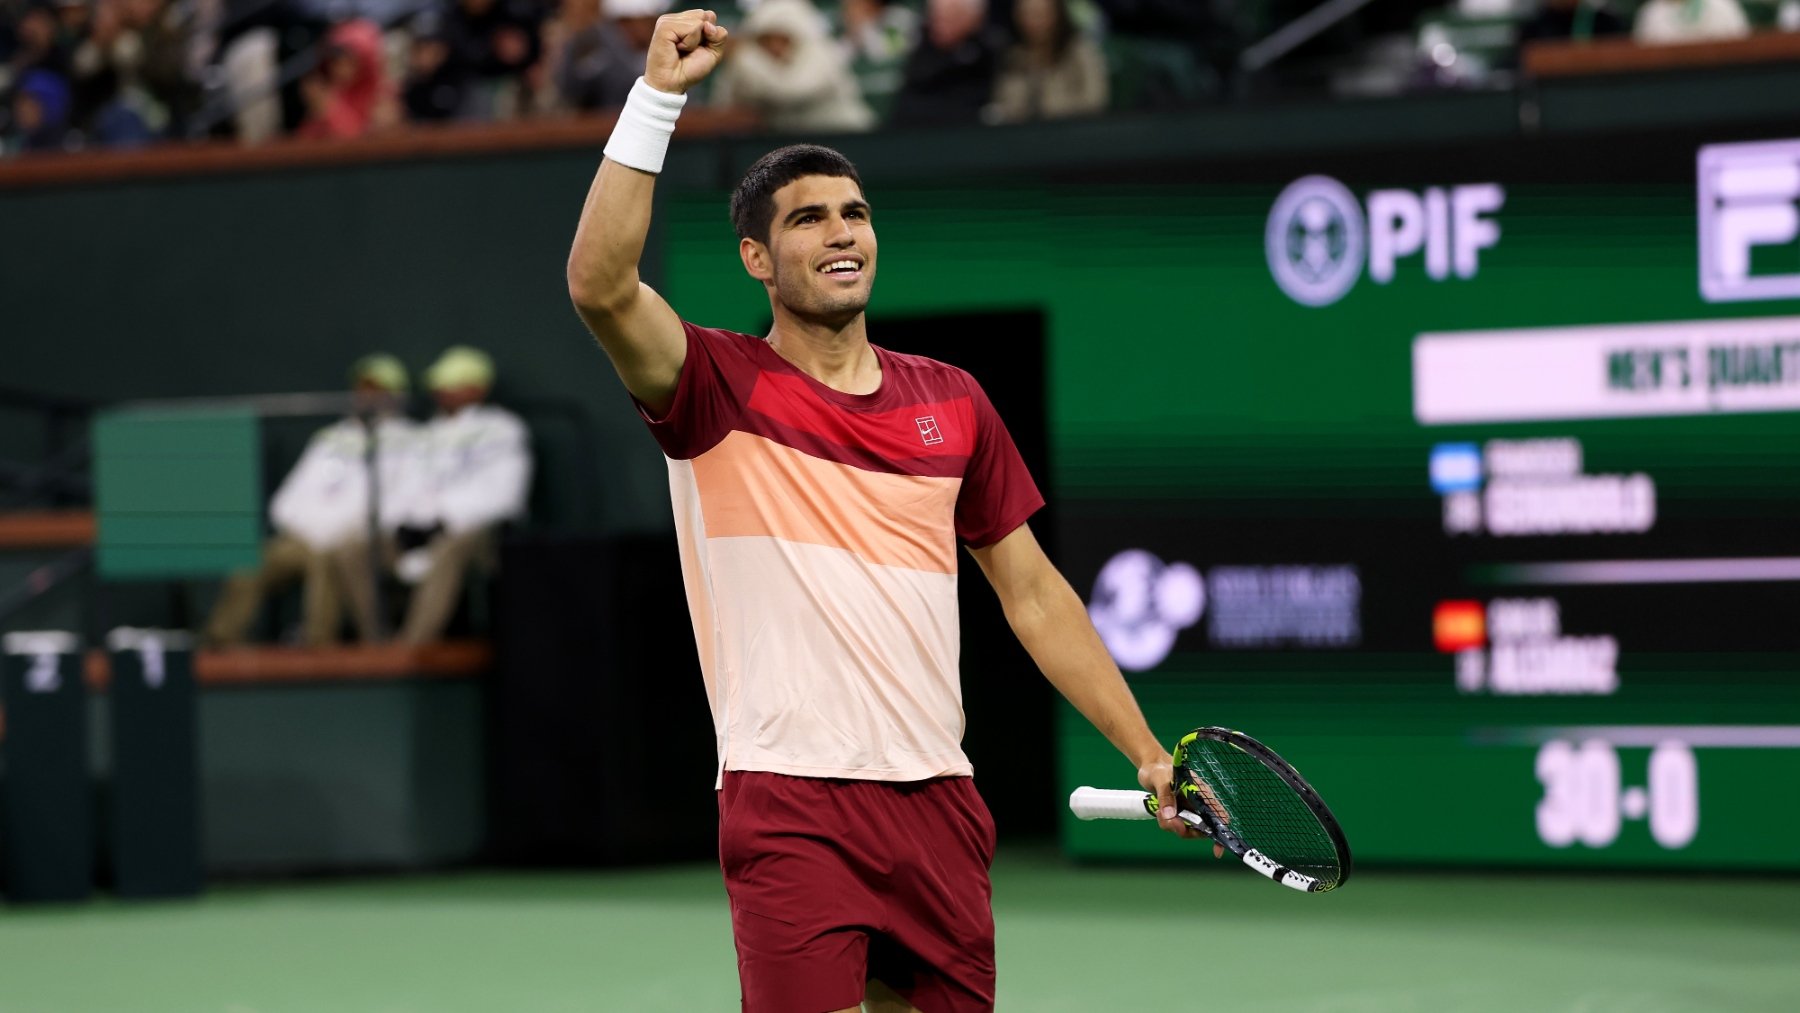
{"x":686,"y":48}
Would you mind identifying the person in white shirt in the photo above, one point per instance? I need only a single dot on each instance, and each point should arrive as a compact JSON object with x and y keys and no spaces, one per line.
{"x":1665,"y":22}
{"x":475,"y":474}
{"x":323,"y":503}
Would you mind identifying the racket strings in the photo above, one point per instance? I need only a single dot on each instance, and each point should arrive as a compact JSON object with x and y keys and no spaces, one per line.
{"x":1266,"y":813}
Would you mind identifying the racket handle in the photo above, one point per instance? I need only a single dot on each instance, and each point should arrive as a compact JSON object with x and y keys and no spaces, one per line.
{"x":1109,"y":804}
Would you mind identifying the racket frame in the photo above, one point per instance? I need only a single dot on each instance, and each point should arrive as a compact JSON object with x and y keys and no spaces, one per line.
{"x":1195,"y":812}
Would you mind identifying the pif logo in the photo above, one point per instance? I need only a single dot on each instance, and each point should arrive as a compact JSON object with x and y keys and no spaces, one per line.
{"x":1318,"y":237}
{"x":1749,"y":221}
{"x":928,"y":430}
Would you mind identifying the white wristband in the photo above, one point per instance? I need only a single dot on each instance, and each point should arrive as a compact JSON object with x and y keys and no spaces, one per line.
{"x":640,"y":138}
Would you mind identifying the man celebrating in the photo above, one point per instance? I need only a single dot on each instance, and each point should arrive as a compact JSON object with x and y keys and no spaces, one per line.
{"x":820,"y":485}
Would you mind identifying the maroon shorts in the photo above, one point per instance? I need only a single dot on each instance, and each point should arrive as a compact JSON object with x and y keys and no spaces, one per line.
{"x":836,"y":882}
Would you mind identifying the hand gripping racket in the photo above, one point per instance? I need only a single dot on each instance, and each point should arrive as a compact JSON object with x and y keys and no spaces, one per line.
{"x":1237,"y":791}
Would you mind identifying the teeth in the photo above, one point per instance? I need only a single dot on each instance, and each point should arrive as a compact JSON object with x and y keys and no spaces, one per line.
{"x":837,"y":264}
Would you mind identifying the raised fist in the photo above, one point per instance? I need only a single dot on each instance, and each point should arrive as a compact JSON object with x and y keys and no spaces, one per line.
{"x":684,"y":49}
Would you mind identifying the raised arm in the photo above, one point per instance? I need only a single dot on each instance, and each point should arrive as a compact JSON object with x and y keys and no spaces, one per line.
{"x":640,"y":333}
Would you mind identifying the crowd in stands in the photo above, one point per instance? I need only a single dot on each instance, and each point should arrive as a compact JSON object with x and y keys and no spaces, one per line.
{"x":122,"y":73}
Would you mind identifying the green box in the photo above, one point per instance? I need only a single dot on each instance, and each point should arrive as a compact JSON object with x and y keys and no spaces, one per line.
{"x":178,"y":492}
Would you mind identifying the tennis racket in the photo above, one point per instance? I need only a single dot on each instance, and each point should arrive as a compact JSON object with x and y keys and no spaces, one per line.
{"x":1237,"y":791}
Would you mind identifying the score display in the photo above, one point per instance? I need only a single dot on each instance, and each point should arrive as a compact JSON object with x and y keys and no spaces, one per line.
{"x":1469,"y":481}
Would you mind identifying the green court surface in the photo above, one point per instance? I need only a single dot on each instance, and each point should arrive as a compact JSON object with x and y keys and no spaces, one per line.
{"x":1071,"y":939}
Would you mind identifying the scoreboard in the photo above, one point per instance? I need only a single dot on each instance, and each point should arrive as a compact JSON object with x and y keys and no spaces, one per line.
{"x":1467,"y":479}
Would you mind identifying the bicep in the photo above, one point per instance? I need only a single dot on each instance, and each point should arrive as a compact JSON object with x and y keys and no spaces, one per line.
{"x":644,"y":339}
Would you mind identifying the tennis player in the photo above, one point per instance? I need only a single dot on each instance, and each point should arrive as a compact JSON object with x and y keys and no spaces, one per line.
{"x":820,"y":485}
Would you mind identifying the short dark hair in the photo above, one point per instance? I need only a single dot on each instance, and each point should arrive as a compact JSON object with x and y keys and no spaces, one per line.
{"x":753,"y":202}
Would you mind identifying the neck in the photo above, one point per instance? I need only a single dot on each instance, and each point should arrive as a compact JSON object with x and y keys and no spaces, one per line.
{"x":837,"y":356}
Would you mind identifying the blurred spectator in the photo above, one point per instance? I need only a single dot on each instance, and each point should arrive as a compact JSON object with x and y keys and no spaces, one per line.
{"x":436,"y":86}
{"x":476,"y":474}
{"x":72,"y":18}
{"x":323,"y":503}
{"x":40,"y":113}
{"x":877,"y":36}
{"x":110,"y":105}
{"x":250,"y":65}
{"x":37,"y":44}
{"x":949,"y":76}
{"x":494,"y":42}
{"x":105,"y":61}
{"x":789,"y":71}
{"x":166,"y":34}
{"x":348,"y":94}
{"x":603,"y":59}
{"x":1573,"y":19}
{"x":1052,"y":71}
{"x":1662,"y":22}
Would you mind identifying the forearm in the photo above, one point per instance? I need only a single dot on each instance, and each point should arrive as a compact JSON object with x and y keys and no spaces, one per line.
{"x":1053,"y":625}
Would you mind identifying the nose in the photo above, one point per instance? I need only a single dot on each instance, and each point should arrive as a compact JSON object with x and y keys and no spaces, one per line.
{"x":842,"y":237}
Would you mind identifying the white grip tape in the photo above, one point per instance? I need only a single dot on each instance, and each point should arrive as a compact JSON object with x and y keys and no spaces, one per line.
{"x":640,"y":138}
{"x":1108,"y":804}
{"x":1269,"y":867}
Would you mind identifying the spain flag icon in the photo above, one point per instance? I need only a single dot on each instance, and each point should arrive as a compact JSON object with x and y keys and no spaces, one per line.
{"x":1459,"y":625}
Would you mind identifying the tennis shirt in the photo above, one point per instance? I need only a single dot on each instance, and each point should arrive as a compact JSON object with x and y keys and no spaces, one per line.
{"x":818,"y":534}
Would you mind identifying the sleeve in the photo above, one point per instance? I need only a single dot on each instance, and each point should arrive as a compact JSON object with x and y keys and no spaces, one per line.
{"x":311,"y":504}
{"x":715,"y":383}
{"x":1096,"y":89}
{"x":998,"y":493}
{"x":495,"y":480}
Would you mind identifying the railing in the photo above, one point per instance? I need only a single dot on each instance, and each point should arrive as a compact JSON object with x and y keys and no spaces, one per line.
{"x":400,"y":144}
{"x":1569,"y":58}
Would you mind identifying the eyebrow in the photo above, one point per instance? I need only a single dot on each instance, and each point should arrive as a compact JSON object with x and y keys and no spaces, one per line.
{"x":819,"y":209}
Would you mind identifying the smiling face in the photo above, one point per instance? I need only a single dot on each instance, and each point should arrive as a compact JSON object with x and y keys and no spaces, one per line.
{"x":819,"y":260}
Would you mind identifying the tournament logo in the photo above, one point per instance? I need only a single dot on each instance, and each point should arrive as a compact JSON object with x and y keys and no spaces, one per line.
{"x":1316,"y":239}
{"x":1141,"y":604}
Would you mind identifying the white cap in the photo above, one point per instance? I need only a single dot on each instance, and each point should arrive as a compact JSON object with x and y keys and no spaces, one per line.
{"x":460,"y":366}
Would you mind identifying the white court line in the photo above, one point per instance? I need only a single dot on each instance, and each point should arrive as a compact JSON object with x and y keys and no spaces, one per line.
{"x":1651,"y":571}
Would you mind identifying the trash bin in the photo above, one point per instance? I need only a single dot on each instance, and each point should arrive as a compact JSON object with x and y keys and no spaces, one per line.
{"x":154,"y":824}
{"x":46,"y":794}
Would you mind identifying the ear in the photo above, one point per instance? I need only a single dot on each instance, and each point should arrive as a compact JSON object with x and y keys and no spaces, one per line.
{"x":757,"y":260}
